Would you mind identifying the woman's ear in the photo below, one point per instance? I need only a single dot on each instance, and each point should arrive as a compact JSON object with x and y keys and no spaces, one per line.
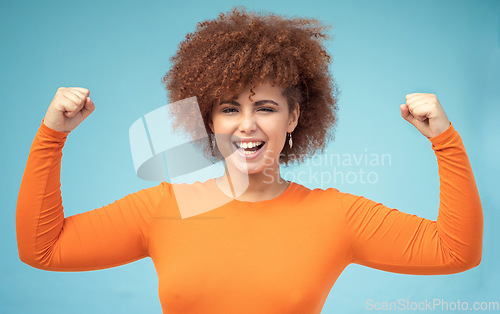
{"x":211,"y":122}
{"x":211,"y":125}
{"x":294,"y":118}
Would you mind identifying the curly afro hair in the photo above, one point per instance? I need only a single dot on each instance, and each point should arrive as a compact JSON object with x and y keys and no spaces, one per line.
{"x":242,"y":49}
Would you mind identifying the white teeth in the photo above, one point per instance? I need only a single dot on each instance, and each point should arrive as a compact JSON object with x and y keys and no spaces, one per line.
{"x":243,"y":145}
{"x":248,"y":144}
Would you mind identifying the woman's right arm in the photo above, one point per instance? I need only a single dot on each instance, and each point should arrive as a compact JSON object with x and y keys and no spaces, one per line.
{"x":109,"y":236}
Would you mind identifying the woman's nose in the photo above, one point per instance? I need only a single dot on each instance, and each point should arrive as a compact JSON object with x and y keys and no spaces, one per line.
{"x":247,"y":123}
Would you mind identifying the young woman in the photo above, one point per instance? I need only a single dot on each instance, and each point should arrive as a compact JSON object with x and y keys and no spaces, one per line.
{"x":253,"y":242}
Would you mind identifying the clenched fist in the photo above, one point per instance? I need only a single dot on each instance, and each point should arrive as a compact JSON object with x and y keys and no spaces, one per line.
{"x":425,"y":113}
{"x":70,"y":106}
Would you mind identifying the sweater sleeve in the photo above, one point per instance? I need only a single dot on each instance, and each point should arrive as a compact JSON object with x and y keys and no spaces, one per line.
{"x":109,"y":236}
{"x":390,"y":240}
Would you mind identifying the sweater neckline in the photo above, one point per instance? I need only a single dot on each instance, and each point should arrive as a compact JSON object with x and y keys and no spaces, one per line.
{"x":283,"y":196}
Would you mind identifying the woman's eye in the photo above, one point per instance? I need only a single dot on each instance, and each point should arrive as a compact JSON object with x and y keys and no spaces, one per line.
{"x":231,"y":110}
{"x":266,"y":109}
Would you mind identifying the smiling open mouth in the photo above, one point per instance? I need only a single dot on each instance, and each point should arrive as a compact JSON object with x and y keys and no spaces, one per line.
{"x":248,"y":148}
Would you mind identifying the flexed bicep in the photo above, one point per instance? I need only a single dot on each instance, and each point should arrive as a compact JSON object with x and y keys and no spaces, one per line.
{"x":388,"y":239}
{"x":109,"y":236}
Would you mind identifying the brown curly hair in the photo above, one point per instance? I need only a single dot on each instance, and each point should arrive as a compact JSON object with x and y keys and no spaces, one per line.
{"x":242,"y":49}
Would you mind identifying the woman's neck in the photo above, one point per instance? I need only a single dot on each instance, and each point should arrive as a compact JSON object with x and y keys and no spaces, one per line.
{"x":260,"y":186}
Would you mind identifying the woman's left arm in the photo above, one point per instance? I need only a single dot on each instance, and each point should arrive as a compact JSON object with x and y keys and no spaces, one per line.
{"x":387,"y":239}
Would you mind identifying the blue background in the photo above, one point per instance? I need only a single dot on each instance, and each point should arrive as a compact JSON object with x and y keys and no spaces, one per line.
{"x":382,"y":50}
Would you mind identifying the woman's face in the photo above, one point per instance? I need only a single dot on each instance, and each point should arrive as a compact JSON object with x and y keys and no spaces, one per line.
{"x":250,"y":134}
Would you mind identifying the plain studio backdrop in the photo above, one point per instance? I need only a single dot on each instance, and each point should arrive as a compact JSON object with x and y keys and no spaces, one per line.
{"x":120,"y":50}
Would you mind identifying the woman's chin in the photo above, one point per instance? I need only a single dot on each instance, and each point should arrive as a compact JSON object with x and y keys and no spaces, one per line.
{"x":250,"y":169}
{"x":245,"y":167}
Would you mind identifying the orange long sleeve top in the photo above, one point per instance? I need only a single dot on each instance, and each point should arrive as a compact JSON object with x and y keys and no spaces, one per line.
{"x":276,"y":256}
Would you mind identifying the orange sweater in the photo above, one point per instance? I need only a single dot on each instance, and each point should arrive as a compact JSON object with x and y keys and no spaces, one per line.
{"x":276,"y":256}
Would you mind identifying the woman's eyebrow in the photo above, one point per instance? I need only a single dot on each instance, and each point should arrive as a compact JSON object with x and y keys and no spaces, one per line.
{"x":257,"y":103}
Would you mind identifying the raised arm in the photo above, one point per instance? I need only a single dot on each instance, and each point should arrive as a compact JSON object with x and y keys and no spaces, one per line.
{"x":109,"y":236}
{"x":387,"y":239}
